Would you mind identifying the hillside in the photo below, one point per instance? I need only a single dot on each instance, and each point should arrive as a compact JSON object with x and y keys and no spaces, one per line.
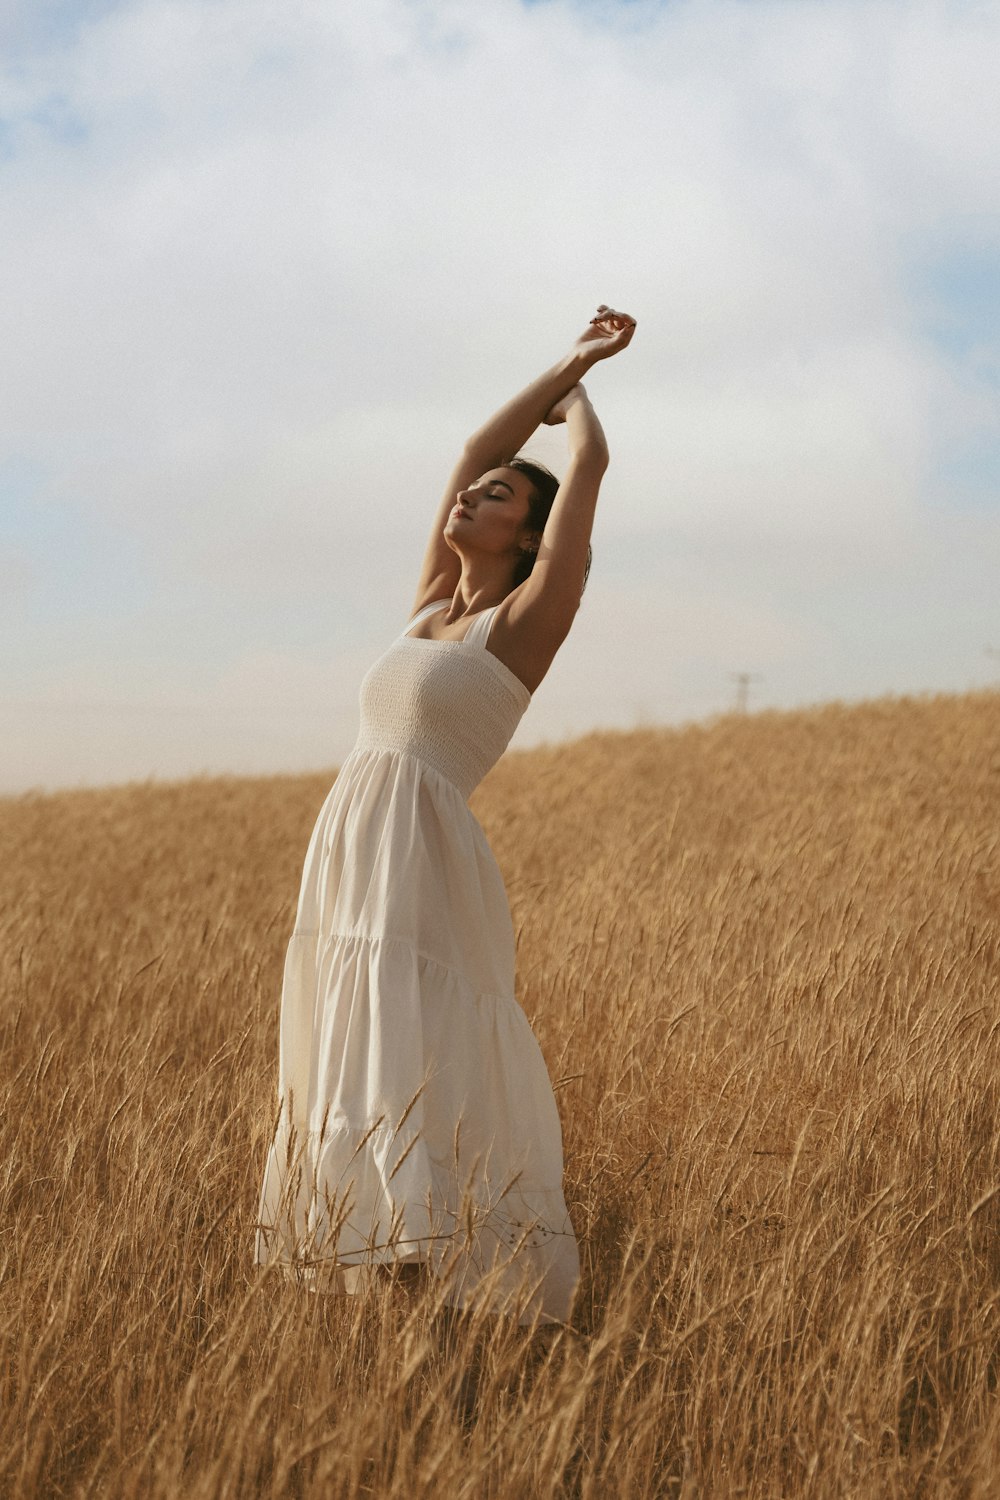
{"x":761,"y":957}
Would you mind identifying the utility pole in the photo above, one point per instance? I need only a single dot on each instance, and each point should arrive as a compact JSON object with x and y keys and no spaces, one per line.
{"x":743,"y":681}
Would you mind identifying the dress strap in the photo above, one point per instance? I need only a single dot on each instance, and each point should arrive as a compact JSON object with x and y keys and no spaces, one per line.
{"x":421,"y":614}
{"x":478,"y":632}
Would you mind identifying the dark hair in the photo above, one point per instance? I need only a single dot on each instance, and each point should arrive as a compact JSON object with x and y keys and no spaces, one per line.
{"x":544,"y":487}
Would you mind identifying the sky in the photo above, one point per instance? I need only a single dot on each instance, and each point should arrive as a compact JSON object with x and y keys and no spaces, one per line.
{"x":268,"y":262}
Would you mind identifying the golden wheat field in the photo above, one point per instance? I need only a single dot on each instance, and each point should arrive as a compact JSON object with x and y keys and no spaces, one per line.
{"x":761,"y":957}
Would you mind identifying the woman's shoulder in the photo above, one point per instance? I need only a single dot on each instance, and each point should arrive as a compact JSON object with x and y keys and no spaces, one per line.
{"x":425,"y":609}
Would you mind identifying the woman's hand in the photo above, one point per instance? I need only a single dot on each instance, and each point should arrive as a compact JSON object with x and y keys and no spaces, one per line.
{"x":560,"y":411}
{"x":584,"y":431}
{"x":607,"y":334}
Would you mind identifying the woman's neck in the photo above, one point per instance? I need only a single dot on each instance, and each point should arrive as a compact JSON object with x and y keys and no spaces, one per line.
{"x":484,"y":582}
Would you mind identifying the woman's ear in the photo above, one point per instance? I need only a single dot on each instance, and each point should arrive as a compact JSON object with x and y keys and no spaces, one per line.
{"x":532,"y":542}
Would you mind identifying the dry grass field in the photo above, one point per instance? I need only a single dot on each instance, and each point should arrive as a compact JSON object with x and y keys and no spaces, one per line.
{"x":762,"y":959}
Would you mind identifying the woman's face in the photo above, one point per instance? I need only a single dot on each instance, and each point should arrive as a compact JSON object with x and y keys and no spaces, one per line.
{"x":492,"y":514}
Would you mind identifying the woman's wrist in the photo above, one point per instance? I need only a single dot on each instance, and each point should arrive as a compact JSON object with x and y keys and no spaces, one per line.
{"x":584,"y":430}
{"x":575,"y":366}
{"x":581,"y":418}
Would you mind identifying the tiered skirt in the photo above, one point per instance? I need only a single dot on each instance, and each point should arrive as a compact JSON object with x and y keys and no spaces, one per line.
{"x":417,"y":1120}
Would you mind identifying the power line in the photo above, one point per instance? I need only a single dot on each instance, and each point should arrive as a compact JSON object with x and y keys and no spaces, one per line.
{"x":743,"y":681}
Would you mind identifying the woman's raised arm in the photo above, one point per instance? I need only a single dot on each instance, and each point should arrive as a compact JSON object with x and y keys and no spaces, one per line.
{"x":499,"y":439}
{"x":529,"y":632}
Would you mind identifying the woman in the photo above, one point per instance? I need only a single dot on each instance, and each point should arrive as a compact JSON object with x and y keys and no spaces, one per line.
{"x":417,"y":1120}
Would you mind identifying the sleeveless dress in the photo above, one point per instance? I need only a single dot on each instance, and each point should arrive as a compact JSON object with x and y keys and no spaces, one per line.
{"x":417,"y":1121}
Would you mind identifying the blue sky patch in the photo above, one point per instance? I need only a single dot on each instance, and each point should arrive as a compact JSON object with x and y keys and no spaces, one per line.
{"x":81,"y":568}
{"x":49,"y":25}
{"x":955,"y":291}
{"x":968,"y":477}
{"x":958,"y":304}
{"x":57,"y":119}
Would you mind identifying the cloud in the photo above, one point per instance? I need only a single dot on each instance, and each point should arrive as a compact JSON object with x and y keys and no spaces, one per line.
{"x":266,"y":265}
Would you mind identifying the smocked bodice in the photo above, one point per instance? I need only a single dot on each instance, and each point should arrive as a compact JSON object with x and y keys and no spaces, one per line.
{"x":451,"y":704}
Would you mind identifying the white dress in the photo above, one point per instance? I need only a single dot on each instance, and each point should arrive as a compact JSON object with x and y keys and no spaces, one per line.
{"x":417,"y":1120}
